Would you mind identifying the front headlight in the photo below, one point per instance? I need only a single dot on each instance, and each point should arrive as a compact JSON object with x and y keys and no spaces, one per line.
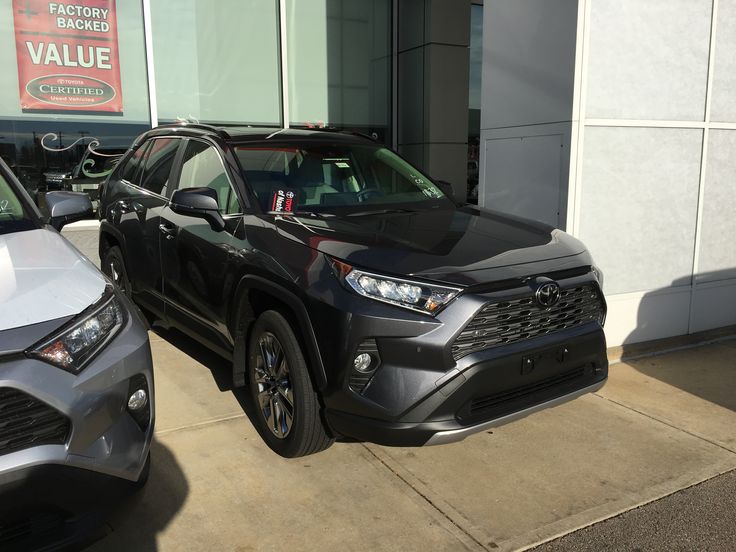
{"x":78,"y":342}
{"x":418,"y":296}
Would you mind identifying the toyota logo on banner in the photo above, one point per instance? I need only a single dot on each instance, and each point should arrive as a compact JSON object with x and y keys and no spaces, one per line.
{"x":547,"y":294}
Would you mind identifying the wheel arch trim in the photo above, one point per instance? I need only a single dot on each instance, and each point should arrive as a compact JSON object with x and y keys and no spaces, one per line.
{"x":292,"y":301}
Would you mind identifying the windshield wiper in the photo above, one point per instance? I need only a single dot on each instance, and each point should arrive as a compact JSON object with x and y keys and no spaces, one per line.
{"x":380,"y":212}
{"x":314,"y":214}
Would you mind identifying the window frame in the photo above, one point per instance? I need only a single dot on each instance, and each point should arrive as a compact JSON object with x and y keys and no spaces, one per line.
{"x":172,"y":172}
{"x":37,"y":220}
{"x":233,"y":188}
{"x":117,"y":174}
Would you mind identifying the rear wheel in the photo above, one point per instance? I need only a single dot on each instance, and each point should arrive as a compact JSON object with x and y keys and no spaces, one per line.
{"x":114,"y":266}
{"x":287,"y":409}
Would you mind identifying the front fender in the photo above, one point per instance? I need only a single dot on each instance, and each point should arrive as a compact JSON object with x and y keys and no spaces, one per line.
{"x":296,"y":305}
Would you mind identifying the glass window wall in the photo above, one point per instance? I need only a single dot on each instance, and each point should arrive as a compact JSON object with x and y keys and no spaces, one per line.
{"x":339,"y":64}
{"x":65,"y":89}
{"x":214,"y":61}
{"x":217,"y":61}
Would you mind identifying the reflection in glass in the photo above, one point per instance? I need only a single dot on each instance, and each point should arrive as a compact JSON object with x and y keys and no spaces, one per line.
{"x":339,"y":64}
{"x":50,"y":163}
{"x":217,"y":62}
{"x":476,"y":67}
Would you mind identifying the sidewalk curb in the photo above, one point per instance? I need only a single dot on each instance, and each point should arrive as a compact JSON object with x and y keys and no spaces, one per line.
{"x":657,"y":347}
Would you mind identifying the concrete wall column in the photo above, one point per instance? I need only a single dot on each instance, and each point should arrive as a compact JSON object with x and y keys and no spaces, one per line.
{"x":433,"y":74}
{"x":527,"y":107}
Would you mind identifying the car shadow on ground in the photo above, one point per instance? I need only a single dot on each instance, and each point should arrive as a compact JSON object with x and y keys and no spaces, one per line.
{"x":710,"y":378}
{"x":220,"y":368}
{"x":143,"y":515}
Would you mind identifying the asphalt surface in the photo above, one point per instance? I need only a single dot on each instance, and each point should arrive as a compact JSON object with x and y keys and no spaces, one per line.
{"x":700,"y":518}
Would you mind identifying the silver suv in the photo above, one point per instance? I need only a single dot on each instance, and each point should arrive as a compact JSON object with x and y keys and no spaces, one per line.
{"x":76,"y":376}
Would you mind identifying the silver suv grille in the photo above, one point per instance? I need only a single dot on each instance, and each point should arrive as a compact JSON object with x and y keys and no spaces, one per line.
{"x":519,"y":319}
{"x":27,"y":422}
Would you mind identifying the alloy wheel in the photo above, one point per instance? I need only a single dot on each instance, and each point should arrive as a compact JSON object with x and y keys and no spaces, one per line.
{"x":274,"y":390}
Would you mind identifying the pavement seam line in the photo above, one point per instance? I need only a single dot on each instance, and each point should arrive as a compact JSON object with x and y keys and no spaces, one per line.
{"x":668,"y":424}
{"x":426,"y":498}
{"x":199,"y":424}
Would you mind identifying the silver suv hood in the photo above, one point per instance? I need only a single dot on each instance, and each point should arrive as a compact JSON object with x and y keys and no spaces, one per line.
{"x":43,"y":277}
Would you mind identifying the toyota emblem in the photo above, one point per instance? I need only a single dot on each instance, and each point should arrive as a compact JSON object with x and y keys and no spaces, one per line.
{"x":548,"y":294}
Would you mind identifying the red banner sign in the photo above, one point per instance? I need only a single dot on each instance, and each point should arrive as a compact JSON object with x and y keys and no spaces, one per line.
{"x":68,"y":56}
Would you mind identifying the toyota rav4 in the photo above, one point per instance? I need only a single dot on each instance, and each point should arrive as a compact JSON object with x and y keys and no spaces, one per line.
{"x":353,"y":295}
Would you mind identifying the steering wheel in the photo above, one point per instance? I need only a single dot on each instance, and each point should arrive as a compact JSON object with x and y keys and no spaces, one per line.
{"x":364,"y":195}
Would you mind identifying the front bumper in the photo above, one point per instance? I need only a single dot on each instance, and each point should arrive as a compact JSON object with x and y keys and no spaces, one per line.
{"x":421,"y":394}
{"x":103,"y":439}
{"x":488,"y":392}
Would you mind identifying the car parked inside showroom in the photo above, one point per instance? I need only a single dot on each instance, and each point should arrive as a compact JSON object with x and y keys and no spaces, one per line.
{"x":354,"y":296}
{"x":76,"y":377}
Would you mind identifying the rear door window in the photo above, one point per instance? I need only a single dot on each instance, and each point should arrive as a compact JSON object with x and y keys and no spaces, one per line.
{"x":157,"y":166}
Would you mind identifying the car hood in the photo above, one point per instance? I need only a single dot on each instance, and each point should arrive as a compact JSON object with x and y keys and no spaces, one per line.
{"x":463,"y":246}
{"x":43,"y":277}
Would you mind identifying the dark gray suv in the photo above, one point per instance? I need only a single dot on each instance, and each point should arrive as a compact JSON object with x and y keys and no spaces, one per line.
{"x":353,"y":295}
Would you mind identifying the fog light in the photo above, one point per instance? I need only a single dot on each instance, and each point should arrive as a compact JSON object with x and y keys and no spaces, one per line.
{"x":138,"y":400}
{"x":362,"y":362}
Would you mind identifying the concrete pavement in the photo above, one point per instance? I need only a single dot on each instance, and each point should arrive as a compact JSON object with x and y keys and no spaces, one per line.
{"x":660,"y":425}
{"x":215,"y":484}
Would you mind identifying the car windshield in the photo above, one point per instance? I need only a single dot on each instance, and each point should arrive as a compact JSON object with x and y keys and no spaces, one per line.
{"x":337,"y":178}
{"x":14,"y":216}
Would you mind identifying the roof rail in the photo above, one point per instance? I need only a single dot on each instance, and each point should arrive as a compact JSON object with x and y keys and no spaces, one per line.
{"x":362,"y":135}
{"x":345,"y":131}
{"x":221,"y":132}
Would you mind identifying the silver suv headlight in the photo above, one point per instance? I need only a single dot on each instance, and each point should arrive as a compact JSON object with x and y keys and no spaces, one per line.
{"x":410,"y":294}
{"x":74,"y":346}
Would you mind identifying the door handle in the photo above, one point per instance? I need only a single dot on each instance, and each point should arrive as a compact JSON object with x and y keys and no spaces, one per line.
{"x":168,"y":231}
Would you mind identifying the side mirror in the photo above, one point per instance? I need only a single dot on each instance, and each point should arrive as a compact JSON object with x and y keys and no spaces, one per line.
{"x":66,"y":207}
{"x":200,"y":203}
{"x":446,"y":187}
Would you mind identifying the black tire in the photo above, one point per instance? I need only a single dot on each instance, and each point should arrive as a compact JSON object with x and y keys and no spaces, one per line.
{"x":114,"y":266}
{"x":306,"y":434}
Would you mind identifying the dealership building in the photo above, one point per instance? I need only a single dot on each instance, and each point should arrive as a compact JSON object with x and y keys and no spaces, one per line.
{"x":614,"y":120}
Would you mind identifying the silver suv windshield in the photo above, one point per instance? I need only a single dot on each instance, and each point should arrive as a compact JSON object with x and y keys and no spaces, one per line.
{"x":14,"y":216}
{"x":325,"y":178}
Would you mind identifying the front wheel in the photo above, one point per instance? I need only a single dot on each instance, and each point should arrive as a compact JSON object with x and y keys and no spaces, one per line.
{"x":114,"y":266}
{"x":287,"y":410}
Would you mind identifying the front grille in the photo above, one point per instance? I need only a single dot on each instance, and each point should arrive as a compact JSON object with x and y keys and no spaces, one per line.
{"x":519,"y":319}
{"x":27,"y":422}
{"x":483,"y":404}
{"x":486,"y":407}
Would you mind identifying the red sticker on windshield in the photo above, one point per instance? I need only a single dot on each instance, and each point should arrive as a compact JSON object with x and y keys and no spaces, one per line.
{"x":283,"y":201}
